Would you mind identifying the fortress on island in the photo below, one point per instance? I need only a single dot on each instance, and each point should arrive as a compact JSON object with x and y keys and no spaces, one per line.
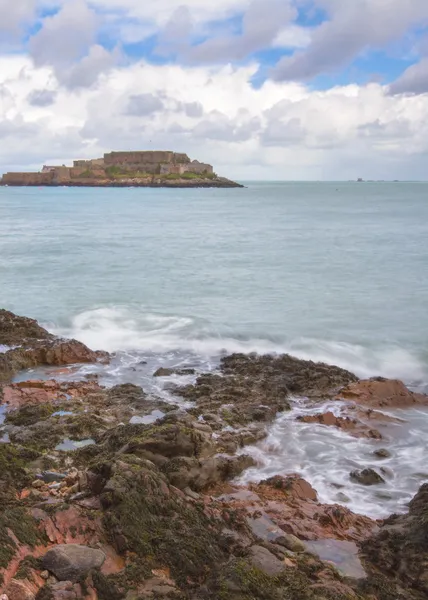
{"x":115,"y":169}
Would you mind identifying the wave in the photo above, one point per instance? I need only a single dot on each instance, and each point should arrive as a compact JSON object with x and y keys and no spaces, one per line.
{"x":132,"y":330}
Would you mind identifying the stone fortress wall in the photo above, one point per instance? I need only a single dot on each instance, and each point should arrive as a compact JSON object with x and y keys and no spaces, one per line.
{"x":147,"y":162}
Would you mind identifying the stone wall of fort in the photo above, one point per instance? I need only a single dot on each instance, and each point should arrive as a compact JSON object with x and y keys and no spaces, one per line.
{"x":89,"y":164}
{"x":27,"y":178}
{"x":116,"y":159}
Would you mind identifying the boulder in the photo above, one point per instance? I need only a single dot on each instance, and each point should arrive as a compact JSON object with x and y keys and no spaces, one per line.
{"x":352,"y":426}
{"x":291,"y":542}
{"x":293,"y":486}
{"x":380,"y":392}
{"x":382,"y":453}
{"x":71,"y":562}
{"x":165,"y":372}
{"x":16,"y":331}
{"x":366,"y":477}
{"x":197,"y":475}
{"x":265,"y":561}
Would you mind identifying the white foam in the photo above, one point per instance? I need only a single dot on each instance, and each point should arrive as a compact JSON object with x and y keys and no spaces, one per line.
{"x":130,"y":330}
{"x":325,"y":456}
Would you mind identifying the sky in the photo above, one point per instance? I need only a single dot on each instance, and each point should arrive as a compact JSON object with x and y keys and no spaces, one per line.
{"x":261,"y":89}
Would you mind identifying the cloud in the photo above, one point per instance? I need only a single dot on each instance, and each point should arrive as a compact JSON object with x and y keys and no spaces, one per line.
{"x":87,"y":72}
{"x":352,"y":28}
{"x":413,"y":81}
{"x":280,"y":133}
{"x":194,"y":110}
{"x":14,"y":15}
{"x":293,"y":36}
{"x":65,"y":37}
{"x":42,"y":98}
{"x":67,"y":43}
{"x":219,"y":127}
{"x":143,"y":105}
{"x":277,"y":131}
{"x":262,"y":21}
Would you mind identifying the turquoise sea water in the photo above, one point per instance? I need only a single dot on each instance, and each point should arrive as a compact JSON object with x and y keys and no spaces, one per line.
{"x":335,"y":271}
{"x":329,"y":271}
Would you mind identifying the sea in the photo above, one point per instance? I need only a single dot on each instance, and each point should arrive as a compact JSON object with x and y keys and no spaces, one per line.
{"x":334,"y":272}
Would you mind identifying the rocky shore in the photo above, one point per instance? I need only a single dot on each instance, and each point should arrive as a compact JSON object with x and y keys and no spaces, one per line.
{"x":219,"y":182}
{"x":95,"y":503}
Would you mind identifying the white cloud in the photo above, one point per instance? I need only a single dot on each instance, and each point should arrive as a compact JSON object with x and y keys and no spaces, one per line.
{"x":293,"y":36}
{"x":67,"y":43}
{"x":352,"y":27}
{"x":281,"y":130}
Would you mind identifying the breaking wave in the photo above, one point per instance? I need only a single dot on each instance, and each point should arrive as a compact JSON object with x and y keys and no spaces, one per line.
{"x":131,"y":330}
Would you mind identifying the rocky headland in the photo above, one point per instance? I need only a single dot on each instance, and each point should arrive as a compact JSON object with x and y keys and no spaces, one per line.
{"x":125,"y":169}
{"x":93,"y":506}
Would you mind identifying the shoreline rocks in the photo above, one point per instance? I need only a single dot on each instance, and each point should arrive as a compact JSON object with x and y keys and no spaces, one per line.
{"x":151,"y":510}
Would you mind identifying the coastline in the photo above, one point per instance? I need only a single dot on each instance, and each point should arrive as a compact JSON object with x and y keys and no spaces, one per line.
{"x":220,"y":183}
{"x":140,"y":495}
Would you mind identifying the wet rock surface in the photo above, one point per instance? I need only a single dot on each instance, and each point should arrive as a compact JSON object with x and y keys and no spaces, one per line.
{"x":30,"y":345}
{"x":382,"y":393}
{"x":353,"y":426}
{"x":366,"y":477}
{"x":151,"y":509}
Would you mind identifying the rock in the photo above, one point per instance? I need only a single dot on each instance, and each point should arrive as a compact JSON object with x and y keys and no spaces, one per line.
{"x":399,"y":551}
{"x":186,"y":472}
{"x":366,"y":477}
{"x":31,"y":346}
{"x":51,"y":477}
{"x":352,"y":426}
{"x":299,"y":376}
{"x":15,"y":330}
{"x":66,"y":590}
{"x":291,"y":542}
{"x":165,"y":372}
{"x":294,"y":486}
{"x":381,"y":392}
{"x":382,"y":453}
{"x":340,"y":497}
{"x":27,"y":394}
{"x":70,"y":562}
{"x":19,"y":590}
{"x":265,"y":561}
{"x":38,"y":484}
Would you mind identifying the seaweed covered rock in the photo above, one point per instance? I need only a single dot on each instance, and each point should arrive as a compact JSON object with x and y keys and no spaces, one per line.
{"x":399,"y":551}
{"x":16,"y":331}
{"x":298,"y":376}
{"x":147,"y":518}
{"x":366,"y":477}
{"x":254,"y":389}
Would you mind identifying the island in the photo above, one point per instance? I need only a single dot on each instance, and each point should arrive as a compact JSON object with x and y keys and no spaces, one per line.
{"x":125,"y":169}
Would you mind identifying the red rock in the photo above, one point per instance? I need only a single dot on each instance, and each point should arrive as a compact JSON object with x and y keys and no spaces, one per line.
{"x":293,"y":486}
{"x":290,"y":504}
{"x":19,"y":394}
{"x":381,"y":393}
{"x":19,"y":590}
{"x":352,"y":426}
